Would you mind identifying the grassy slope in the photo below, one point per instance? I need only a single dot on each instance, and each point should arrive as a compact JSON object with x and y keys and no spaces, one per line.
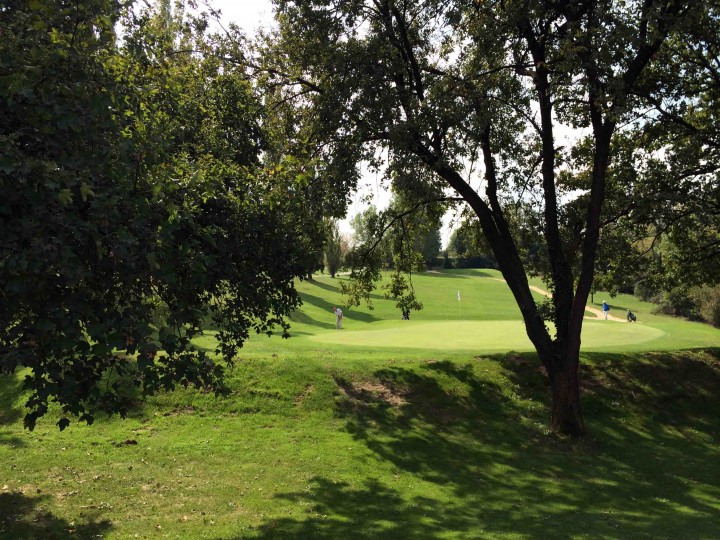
{"x":322,"y":440}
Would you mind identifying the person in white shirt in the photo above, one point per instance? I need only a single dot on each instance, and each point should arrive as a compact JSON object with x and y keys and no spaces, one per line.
{"x":338,"y":317}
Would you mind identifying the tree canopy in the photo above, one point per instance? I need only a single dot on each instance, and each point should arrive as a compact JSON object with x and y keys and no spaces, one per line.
{"x":535,"y":99}
{"x":136,"y":207}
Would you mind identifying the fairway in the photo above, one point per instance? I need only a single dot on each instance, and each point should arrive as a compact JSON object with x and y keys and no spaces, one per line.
{"x":485,"y":319}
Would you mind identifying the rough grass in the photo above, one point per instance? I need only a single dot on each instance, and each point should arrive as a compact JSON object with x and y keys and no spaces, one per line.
{"x":333,"y":441}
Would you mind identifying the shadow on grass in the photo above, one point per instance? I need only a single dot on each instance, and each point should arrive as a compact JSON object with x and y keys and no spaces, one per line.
{"x":653,"y":389}
{"x":113,"y":390}
{"x":336,"y":288}
{"x":10,"y":391}
{"x":327,"y":306}
{"x":301,"y":317}
{"x":461,"y":273}
{"x":370,"y":510}
{"x":479,"y":443}
{"x":23,"y":517}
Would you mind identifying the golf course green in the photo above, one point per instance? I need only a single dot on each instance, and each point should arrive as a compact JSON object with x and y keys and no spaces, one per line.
{"x":474,"y":310}
{"x":482,"y":335}
{"x":432,"y":428}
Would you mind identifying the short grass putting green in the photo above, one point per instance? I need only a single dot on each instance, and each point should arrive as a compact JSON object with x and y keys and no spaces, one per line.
{"x":482,"y":336}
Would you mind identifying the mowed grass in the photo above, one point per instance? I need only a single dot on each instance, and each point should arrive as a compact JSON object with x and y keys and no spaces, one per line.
{"x":370,"y":433}
{"x":485,"y":319}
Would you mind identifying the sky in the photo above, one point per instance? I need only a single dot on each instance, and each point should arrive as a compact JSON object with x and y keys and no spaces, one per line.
{"x":247,"y":14}
{"x":253,"y":14}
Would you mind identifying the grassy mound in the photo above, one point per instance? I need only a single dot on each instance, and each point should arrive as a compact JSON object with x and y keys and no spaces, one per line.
{"x":332,"y":440}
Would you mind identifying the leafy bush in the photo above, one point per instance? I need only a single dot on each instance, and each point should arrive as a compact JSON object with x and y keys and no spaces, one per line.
{"x":647,"y":293}
{"x":707,"y":301}
{"x":117,"y":390}
{"x":678,"y":302}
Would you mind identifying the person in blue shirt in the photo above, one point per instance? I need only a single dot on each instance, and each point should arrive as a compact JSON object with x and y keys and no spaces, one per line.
{"x":606,"y":309}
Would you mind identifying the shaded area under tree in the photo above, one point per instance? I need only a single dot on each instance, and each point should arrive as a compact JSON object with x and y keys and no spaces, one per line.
{"x":518,"y":477}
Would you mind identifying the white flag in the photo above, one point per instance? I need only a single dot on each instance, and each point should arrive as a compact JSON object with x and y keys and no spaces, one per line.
{"x":458,"y":295}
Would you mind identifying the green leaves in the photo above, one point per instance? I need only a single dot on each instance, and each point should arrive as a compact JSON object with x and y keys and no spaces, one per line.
{"x":400,"y":288}
{"x":135,"y":209}
{"x":65,"y":197}
{"x":86,"y":192}
{"x":152,"y":260}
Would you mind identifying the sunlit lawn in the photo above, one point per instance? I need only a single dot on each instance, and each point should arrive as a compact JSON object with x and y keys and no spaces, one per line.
{"x":428,"y":428}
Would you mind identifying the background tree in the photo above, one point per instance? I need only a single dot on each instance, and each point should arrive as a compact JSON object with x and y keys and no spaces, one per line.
{"x":441,"y":85}
{"x":430,"y":246}
{"x":369,"y":238}
{"x":669,"y":220}
{"x":412,"y":220}
{"x":336,"y":246}
{"x":459,"y":244}
{"x":468,"y":245}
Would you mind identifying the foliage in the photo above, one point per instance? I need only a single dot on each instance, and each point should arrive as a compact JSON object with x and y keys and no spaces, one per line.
{"x":458,"y":244}
{"x":670,"y":159}
{"x":678,"y":302}
{"x":645,"y":291}
{"x":707,"y":300}
{"x":404,"y":237}
{"x":467,"y":241}
{"x":135,"y":210}
{"x":400,"y":289}
{"x":441,"y":86}
{"x":429,"y":245}
{"x":696,"y":303}
{"x":369,"y":237}
{"x":414,"y":214}
{"x":336,"y":246}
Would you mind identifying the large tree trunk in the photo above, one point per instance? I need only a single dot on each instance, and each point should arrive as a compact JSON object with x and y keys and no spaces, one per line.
{"x":566,"y":413}
{"x":560,"y":358}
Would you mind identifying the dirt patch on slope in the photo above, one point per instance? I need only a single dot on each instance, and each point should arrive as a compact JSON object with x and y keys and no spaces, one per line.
{"x":368,"y":392}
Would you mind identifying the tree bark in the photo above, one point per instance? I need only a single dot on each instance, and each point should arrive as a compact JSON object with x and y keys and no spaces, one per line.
{"x":566,"y":417}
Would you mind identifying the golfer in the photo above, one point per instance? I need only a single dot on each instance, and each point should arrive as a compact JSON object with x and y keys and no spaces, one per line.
{"x":606,"y":309}
{"x":338,"y":317}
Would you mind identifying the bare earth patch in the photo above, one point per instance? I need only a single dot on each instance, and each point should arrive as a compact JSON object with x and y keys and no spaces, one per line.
{"x":187,"y":409}
{"x":371,"y":392}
